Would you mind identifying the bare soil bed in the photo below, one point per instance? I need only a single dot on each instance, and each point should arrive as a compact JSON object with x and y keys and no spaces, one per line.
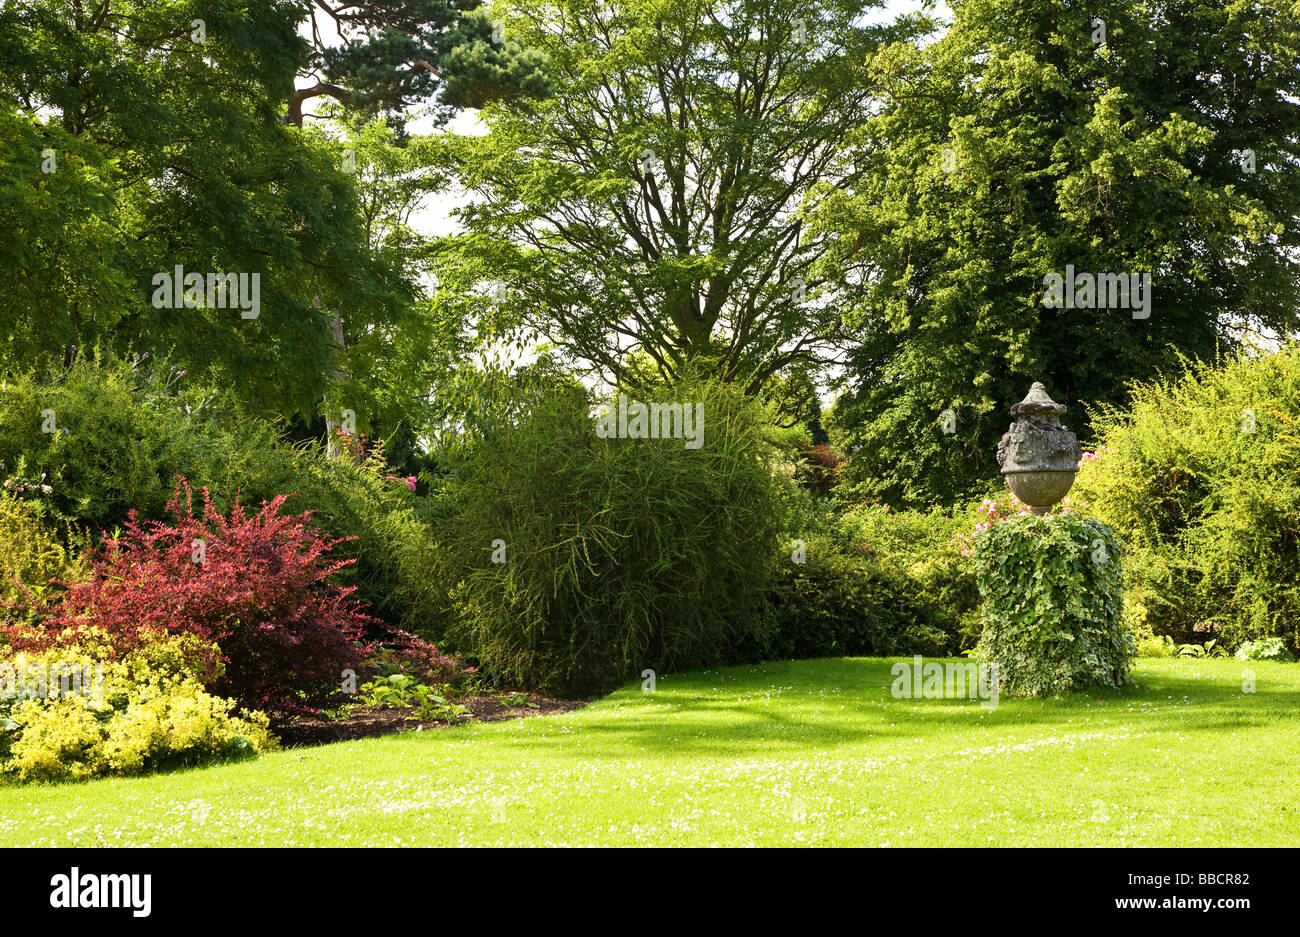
{"x":366,"y":723}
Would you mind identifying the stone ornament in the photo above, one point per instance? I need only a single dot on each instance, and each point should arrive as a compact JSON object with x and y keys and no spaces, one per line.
{"x":1039,"y":456}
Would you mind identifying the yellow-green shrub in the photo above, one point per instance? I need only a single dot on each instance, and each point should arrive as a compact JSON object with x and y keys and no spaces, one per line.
{"x":30,"y":553}
{"x":151,"y":714}
{"x":1199,"y":478}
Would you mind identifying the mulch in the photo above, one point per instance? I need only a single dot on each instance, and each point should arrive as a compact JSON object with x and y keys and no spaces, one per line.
{"x":368,"y":723}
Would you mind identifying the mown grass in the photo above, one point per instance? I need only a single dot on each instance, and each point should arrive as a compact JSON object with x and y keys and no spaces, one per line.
{"x":808,"y":752}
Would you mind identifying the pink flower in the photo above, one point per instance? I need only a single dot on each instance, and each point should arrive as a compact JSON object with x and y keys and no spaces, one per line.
{"x":410,"y":482}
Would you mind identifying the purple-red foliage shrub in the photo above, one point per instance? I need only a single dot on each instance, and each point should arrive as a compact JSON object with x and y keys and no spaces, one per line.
{"x":256,"y":586}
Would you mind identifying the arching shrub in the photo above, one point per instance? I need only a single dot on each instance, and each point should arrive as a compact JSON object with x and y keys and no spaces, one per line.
{"x":616,"y":554}
{"x":1200,"y":477}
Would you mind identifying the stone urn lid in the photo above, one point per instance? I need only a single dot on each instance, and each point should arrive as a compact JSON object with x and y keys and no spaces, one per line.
{"x":1037,"y":402}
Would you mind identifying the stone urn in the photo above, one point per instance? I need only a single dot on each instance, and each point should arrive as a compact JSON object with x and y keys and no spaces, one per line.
{"x":1039,"y":456}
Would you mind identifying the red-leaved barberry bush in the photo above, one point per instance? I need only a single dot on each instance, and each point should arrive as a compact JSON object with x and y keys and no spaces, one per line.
{"x":255,"y":585}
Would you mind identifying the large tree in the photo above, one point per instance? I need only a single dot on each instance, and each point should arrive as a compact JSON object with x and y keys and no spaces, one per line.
{"x":1157,"y":138}
{"x":142,"y":135}
{"x":174,"y":110}
{"x":382,"y":56}
{"x":650,"y":207}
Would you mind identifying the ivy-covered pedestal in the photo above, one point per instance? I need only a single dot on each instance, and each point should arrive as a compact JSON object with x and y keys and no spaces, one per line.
{"x":1053,"y":605}
{"x":1052,"y":584}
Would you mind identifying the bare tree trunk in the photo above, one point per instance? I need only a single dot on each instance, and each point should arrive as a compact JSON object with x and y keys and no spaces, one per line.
{"x":334,"y":446}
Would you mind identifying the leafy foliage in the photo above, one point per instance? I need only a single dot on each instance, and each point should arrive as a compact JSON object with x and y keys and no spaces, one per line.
{"x":1199,"y":481}
{"x":1053,"y":605}
{"x":401,"y":691}
{"x":254,"y":590}
{"x":32,"y":556}
{"x":836,"y":604}
{"x":109,"y":436}
{"x":150,"y":713}
{"x":652,"y":203}
{"x":620,"y":554}
{"x":1267,"y":649}
{"x":134,"y":143}
{"x":176,"y":429}
{"x":1017,"y":145}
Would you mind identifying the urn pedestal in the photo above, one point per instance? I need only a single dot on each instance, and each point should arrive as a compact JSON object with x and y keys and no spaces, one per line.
{"x":1038,"y":455}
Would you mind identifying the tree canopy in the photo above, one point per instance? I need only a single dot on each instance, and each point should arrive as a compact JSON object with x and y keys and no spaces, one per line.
{"x":1154,"y":138}
{"x":653,"y":202}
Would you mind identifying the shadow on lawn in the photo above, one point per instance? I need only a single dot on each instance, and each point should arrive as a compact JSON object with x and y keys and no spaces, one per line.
{"x":756,"y":709}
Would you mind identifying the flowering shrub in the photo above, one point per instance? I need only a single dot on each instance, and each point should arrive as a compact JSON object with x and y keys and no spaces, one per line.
{"x":1094,"y":456}
{"x":993,"y":512}
{"x":256,"y":587}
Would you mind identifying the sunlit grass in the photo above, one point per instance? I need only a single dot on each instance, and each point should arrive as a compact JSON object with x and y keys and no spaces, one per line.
{"x":809,"y":752}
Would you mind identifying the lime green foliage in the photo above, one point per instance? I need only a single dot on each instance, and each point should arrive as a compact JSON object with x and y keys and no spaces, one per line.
{"x":783,"y":754}
{"x":149,"y":713}
{"x":1267,"y":649}
{"x":31,"y":554}
{"x":618,"y":554}
{"x":1149,"y":645}
{"x":1052,"y":616}
{"x":1198,"y":477}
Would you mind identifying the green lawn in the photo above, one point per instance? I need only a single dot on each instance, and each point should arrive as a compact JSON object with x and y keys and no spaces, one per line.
{"x":811,"y":752}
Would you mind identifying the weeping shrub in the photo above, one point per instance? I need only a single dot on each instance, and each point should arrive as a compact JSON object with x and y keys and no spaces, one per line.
{"x":1200,"y":477}
{"x":613,"y":554}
